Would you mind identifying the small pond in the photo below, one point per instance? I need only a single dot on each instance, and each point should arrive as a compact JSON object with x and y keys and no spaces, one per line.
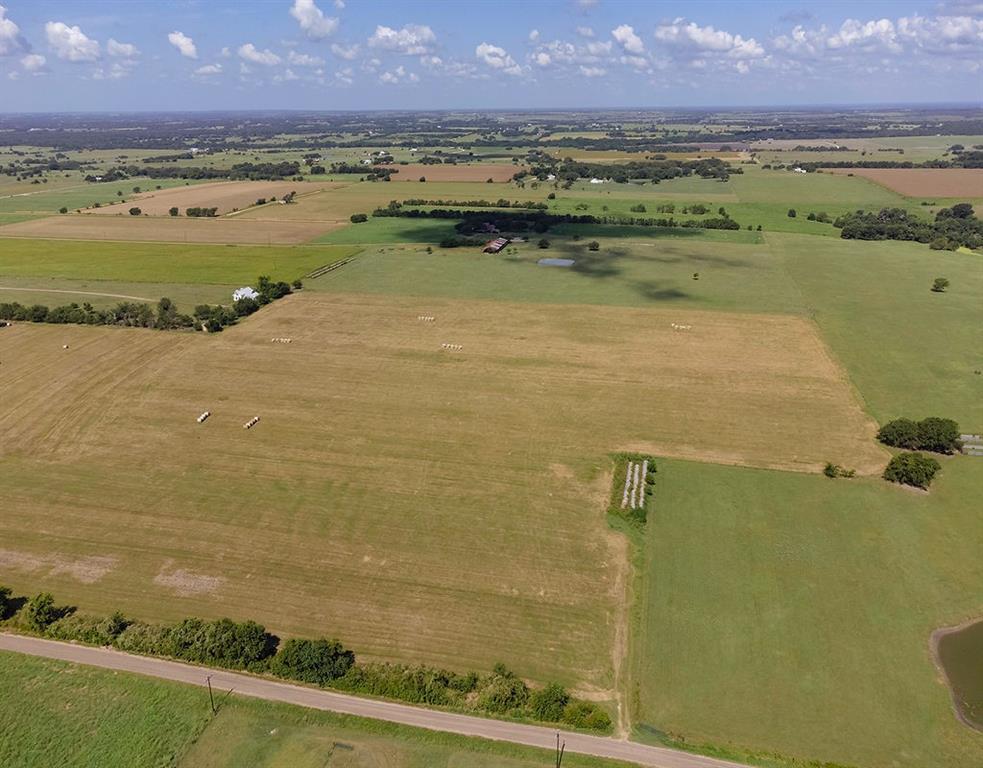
{"x":960,"y":652}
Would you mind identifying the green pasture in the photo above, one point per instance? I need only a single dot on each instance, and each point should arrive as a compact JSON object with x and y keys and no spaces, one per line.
{"x":52,"y":292}
{"x":791,"y":614}
{"x":160,"y":262}
{"x":384,"y":230}
{"x":909,"y":351}
{"x":81,"y":195}
{"x":54,"y":713}
{"x":654,"y":270}
{"x":57,"y":714}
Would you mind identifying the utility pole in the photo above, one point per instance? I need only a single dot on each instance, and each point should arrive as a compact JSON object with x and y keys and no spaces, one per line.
{"x":560,"y":749}
{"x":211,"y":698}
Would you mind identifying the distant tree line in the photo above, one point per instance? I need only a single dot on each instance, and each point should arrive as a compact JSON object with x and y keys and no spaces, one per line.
{"x":500,"y":203}
{"x":636,"y":170}
{"x":246,"y":645}
{"x":972,"y":159}
{"x":952,"y":227}
{"x":239,"y":171}
{"x":472,"y":222}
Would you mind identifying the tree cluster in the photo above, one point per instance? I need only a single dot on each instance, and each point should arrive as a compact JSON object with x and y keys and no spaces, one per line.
{"x":952,"y":227}
{"x":915,"y":469}
{"x":932,"y":434}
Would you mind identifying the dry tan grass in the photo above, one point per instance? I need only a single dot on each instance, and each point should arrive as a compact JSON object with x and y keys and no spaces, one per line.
{"x":171,"y":230}
{"x":420,"y":505}
{"x":224,"y":195}
{"x":923,"y":182}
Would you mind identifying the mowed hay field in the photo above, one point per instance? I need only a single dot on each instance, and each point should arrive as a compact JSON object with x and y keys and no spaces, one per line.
{"x":922,"y":182}
{"x":224,"y":195}
{"x":422,"y":505}
{"x":497,"y":172}
{"x":169,"y":230}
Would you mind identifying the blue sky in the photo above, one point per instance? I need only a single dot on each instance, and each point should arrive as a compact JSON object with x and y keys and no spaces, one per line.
{"x":363,"y":54}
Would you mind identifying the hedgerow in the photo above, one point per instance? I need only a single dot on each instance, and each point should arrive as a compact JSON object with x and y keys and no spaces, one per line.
{"x":248,"y":646}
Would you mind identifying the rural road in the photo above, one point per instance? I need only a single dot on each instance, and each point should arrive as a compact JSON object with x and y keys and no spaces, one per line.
{"x":272,"y":690}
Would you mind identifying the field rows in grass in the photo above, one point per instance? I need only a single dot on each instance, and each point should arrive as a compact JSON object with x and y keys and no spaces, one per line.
{"x":791,"y":614}
{"x":159,"y":262}
{"x":55,"y":713}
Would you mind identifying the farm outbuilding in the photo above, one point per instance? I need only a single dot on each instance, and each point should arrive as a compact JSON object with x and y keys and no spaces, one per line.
{"x":496,"y":245}
{"x":246,"y":292}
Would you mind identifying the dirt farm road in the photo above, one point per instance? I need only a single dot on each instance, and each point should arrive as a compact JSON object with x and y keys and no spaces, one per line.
{"x":261,"y":688}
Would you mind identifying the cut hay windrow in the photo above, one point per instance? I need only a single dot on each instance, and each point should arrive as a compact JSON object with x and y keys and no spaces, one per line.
{"x":633,"y":495}
{"x":328,"y":268}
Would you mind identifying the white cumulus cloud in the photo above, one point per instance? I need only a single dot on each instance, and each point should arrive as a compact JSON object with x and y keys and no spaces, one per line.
{"x":497,"y":58}
{"x":304,"y":59}
{"x":11,"y":40}
{"x":70,"y":43}
{"x":184,"y":44}
{"x":708,"y":39}
{"x":870,"y":34}
{"x":251,"y":53}
{"x":625,"y":35}
{"x":34,"y":63}
{"x":312,"y":20}
{"x":209,"y":69}
{"x":121,"y":50}
{"x":411,"y":40}
{"x":346,"y":52}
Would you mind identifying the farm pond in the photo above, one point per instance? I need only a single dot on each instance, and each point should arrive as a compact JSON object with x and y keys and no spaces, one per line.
{"x":960,"y":652}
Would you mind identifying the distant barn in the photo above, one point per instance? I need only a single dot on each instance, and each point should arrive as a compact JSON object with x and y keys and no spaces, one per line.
{"x":494,"y":246}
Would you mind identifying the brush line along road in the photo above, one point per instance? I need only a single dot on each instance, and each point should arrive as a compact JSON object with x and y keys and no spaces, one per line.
{"x":419,"y":717}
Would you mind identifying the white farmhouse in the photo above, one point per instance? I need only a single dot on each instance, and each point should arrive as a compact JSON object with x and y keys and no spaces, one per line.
{"x":246,"y":292}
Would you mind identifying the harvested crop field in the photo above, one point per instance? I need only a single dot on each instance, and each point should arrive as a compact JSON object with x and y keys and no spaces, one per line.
{"x":455,"y":172}
{"x":171,"y":230}
{"x":421,"y":504}
{"x":922,"y":182}
{"x":224,"y":195}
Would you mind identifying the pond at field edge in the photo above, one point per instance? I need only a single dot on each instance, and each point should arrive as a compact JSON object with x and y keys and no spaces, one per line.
{"x":960,"y":652}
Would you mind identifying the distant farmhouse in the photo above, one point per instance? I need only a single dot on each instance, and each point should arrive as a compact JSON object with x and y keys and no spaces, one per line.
{"x":246,"y":292}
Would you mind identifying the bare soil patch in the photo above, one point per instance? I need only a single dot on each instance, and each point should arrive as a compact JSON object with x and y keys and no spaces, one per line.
{"x":87,"y":569}
{"x":922,"y":182}
{"x":497,"y":172}
{"x":171,"y":230}
{"x":227,"y":196}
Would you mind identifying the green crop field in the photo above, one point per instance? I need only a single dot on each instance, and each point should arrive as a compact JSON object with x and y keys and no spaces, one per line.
{"x":160,"y":262}
{"x":53,"y":713}
{"x":791,"y":614}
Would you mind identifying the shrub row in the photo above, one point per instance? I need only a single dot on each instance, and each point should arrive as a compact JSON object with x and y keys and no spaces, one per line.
{"x":327,"y":663}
